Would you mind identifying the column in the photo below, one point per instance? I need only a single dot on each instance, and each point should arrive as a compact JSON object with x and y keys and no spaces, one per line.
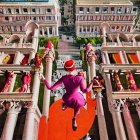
{"x":129,"y":123}
{"x":101,"y":118}
{"x":48,"y":33}
{"x":134,"y":42}
{"x":104,"y":35}
{"x":28,"y":132}
{"x":125,"y":57}
{"x":107,"y":57}
{"x":16,"y":62}
{"x":114,"y":107}
{"x":43,"y":31}
{"x":35,"y":39}
{"x":10,"y":122}
{"x":138,"y":110}
{"x":48,"y":75}
{"x":138,"y":55}
{"x":118,"y":41}
{"x":121,"y":56}
{"x":118,"y":124}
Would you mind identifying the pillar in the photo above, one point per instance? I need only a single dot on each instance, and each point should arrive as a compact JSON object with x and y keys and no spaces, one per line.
{"x":118,"y":40}
{"x":107,"y":57}
{"x":129,"y":123}
{"x":138,"y":110}
{"x":48,"y":75}
{"x":48,"y":33}
{"x":121,"y":56}
{"x":35,"y":39}
{"x":118,"y":124}
{"x":16,"y":62}
{"x":101,"y":118}
{"x":10,"y":122}
{"x":28,"y":132}
{"x":114,"y":108}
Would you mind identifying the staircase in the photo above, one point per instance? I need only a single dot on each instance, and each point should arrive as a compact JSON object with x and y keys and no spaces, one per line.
{"x":66,"y":51}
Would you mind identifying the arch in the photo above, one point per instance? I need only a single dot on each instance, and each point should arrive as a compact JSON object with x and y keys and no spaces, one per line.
{"x":30,"y":27}
{"x":106,"y":26}
{"x":137,"y":37}
{"x":14,"y":39}
{"x":29,"y":38}
{"x":123,"y":37}
{"x":1,"y":38}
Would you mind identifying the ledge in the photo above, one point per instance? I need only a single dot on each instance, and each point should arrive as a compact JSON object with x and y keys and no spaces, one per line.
{"x":122,"y":48}
{"x":15,"y":96}
{"x":13,"y":67}
{"x":126,"y":94}
{"x":104,"y":68}
{"x":14,"y":50}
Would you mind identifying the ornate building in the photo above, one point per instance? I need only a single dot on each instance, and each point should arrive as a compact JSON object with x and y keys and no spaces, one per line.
{"x":119,"y":16}
{"x":15,"y":14}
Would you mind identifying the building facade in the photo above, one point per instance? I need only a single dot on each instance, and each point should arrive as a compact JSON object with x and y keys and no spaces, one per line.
{"x":15,"y":14}
{"x":119,"y":16}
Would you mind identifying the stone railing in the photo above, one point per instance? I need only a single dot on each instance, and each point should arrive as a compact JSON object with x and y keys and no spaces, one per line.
{"x":16,"y":45}
{"x":15,"y":96}
{"x":111,"y":44}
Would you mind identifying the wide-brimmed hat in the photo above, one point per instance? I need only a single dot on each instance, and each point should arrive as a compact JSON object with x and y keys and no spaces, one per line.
{"x":69,"y":65}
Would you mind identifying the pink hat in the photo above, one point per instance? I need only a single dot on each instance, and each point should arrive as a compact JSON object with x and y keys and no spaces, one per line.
{"x":69,"y":65}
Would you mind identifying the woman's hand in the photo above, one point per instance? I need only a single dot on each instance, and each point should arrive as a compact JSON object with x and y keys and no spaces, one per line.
{"x":42,"y":77}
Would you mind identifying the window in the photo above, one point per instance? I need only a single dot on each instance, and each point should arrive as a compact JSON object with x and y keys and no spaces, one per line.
{"x":112,"y":9}
{"x":87,"y":10}
{"x":97,"y":10}
{"x":134,"y":10}
{"x":50,"y":30}
{"x":34,"y":18}
{"x":25,"y":10}
{"x":80,"y":29}
{"x":105,"y":9}
{"x":17,"y":11}
{"x":48,"y":10}
{"x":33,"y":10}
{"x":9,"y":10}
{"x":6,"y":18}
{"x":81,"y":9}
{"x":127,"y":10}
{"x":41,"y":32}
{"x":88,"y":29}
{"x":119,"y":10}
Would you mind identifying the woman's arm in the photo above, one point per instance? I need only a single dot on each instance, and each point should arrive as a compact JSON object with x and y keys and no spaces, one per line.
{"x":55,"y":86}
{"x":83,"y":86}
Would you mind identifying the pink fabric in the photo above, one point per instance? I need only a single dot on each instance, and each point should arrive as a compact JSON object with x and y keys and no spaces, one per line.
{"x":72,"y":98}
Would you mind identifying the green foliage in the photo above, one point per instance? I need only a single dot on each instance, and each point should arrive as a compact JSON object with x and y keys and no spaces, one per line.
{"x":92,"y":40}
{"x":18,"y":82}
{"x":43,"y":41}
{"x":54,"y":68}
{"x":84,"y":65}
{"x":41,"y":95}
{"x":83,"y":54}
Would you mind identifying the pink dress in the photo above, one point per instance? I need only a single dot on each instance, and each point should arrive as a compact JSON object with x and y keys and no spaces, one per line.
{"x":73,"y":84}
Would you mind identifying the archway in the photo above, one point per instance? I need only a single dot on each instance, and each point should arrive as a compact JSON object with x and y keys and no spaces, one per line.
{"x":14,"y":39}
{"x":30,"y":27}
{"x":123,"y":37}
{"x":137,"y":38}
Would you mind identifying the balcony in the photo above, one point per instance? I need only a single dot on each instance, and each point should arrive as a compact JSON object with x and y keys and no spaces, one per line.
{"x":15,"y":45}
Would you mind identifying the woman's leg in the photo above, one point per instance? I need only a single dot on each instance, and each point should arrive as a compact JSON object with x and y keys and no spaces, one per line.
{"x":74,"y":124}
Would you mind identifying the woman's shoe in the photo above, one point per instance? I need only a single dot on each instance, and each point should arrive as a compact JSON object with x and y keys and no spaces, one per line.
{"x":64,"y":107}
{"x":74,"y":124}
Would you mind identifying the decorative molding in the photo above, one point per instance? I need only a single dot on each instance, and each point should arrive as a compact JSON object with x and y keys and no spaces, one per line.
{"x":15,"y":97}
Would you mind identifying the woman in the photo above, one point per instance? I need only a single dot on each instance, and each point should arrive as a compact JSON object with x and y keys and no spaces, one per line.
{"x":73,"y":85}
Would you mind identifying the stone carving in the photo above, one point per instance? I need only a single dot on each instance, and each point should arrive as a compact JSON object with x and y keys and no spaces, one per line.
{"x":9,"y":77}
{"x":90,"y":54}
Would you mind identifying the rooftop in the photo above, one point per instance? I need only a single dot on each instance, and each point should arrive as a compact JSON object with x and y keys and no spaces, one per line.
{"x":103,"y":2}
